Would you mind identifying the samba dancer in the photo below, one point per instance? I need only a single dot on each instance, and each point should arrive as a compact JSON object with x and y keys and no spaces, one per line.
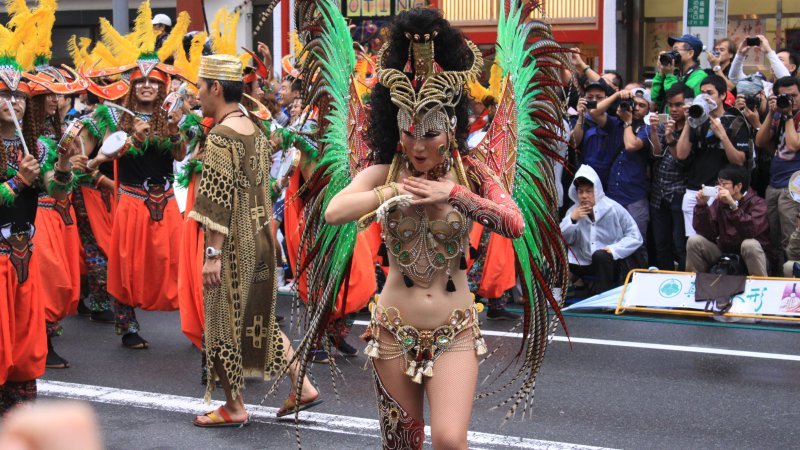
{"x":147,"y":219}
{"x":425,"y":190}
{"x":30,"y":167}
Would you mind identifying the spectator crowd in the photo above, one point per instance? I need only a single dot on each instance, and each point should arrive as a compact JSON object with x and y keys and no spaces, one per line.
{"x":678,"y":172}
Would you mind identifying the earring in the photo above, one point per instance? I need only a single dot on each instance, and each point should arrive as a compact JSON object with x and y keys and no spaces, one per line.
{"x":442,"y":150}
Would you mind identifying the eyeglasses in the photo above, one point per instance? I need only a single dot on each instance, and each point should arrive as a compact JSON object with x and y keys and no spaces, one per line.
{"x":15,"y":96}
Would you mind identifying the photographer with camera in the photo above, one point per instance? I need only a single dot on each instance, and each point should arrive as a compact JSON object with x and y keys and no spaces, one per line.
{"x":714,"y":138}
{"x":669,"y":180}
{"x":779,"y":135}
{"x":680,"y":64}
{"x":779,"y":68}
{"x":720,"y":58}
{"x":752,"y":103}
{"x":736,"y":223}
{"x":627,"y":179}
{"x":596,"y":136}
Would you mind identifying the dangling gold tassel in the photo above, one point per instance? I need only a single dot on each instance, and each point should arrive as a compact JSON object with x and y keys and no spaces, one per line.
{"x":480,"y":346}
{"x":418,"y":377}
{"x":373,"y":349}
{"x":412,"y":367}
{"x":428,"y":372}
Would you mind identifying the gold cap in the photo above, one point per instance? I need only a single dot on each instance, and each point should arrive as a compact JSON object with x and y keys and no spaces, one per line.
{"x":220,"y":67}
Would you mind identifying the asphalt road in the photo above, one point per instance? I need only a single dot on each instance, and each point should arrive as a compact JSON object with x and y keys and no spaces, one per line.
{"x":623,"y":384}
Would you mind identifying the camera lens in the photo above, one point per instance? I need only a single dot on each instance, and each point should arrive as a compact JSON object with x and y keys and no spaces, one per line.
{"x":665,"y":59}
{"x":696,"y":111}
{"x":783,"y":101}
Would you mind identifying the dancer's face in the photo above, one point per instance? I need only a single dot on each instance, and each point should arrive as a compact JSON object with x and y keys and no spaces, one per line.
{"x":424,"y":152}
{"x":18,"y":102}
{"x":51,"y":104}
{"x":146,"y":90}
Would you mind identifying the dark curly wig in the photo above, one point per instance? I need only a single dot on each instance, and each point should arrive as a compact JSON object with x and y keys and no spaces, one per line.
{"x":158,"y":121}
{"x":450,"y":51}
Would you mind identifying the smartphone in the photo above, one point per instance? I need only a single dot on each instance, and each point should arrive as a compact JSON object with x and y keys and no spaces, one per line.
{"x":662,"y":118}
{"x":710,"y":191}
{"x":753,"y":41}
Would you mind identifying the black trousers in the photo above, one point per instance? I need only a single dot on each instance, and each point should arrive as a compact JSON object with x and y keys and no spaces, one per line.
{"x":604,"y":269}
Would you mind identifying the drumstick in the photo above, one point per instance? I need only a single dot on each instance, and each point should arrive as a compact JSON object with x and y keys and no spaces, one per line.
{"x":120,"y":107}
{"x":83,"y":148}
{"x":18,"y":127}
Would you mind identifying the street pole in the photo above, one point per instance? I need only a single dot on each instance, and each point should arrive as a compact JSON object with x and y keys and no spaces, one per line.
{"x":119,"y":17}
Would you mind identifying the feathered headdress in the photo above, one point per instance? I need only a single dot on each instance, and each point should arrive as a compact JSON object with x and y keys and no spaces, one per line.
{"x":36,"y":30}
{"x":422,"y":99}
{"x":190,"y":66}
{"x":16,"y":46}
{"x":98,"y":59}
{"x":223,"y":42}
{"x":136,"y":52}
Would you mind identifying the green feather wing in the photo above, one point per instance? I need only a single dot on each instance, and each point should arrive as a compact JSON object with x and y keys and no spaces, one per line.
{"x":521,"y":145}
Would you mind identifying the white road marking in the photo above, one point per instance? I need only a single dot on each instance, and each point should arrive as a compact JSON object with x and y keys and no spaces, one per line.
{"x":332,"y":423}
{"x":647,"y":345}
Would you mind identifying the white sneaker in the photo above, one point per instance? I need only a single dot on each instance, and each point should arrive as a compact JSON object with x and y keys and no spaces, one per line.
{"x":286,"y":288}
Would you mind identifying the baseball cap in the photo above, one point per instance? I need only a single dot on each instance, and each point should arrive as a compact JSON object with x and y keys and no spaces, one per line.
{"x":599,"y":84}
{"x":693,"y":41}
{"x":162,"y":19}
{"x":641,"y":92}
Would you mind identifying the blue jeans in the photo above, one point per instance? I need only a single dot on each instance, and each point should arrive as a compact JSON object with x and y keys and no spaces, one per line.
{"x":669,"y":233}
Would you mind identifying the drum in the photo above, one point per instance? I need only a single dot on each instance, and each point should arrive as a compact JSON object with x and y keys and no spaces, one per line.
{"x":291,"y":160}
{"x":114,"y":144}
{"x":173,"y":101}
{"x":68,"y":138}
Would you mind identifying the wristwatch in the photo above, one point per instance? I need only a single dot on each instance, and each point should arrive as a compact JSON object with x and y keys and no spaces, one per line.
{"x":716,"y":68}
{"x":212,"y":252}
{"x":734,"y":206}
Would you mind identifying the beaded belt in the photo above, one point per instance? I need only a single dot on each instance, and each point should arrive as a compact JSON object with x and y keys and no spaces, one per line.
{"x":421,"y":348}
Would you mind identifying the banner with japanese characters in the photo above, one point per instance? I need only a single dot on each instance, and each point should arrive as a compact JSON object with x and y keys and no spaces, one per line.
{"x":670,"y":290}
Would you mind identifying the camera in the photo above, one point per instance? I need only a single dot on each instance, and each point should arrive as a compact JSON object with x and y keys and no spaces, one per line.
{"x":753,"y":41}
{"x":752,"y":101}
{"x":591,"y":104}
{"x":783,"y":101}
{"x":670,"y":57}
{"x":696,"y":111}
{"x":625,"y":105}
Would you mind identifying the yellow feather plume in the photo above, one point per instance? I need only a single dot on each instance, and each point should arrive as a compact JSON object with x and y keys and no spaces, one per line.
{"x":495,"y":81}
{"x":297,"y":46}
{"x":123,"y":49}
{"x":44,"y":33}
{"x":5,"y":38}
{"x":77,"y":51}
{"x":174,"y":42}
{"x":144,"y":36}
{"x":102,"y":57}
{"x":223,"y":32}
{"x":191,"y":66}
{"x":23,"y":40}
{"x":18,"y":11}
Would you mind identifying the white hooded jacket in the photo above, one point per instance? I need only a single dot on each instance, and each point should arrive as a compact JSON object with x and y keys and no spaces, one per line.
{"x":613,"y":226}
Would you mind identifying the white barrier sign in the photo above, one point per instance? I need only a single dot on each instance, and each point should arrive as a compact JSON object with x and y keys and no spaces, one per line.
{"x":773,"y":296}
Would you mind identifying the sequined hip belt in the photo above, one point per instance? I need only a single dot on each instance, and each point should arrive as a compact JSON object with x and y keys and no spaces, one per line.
{"x":421,"y":348}
{"x":143,"y":193}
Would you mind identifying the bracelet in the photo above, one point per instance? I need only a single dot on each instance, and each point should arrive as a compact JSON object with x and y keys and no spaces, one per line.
{"x":379,"y":192}
{"x":14,"y":186}
{"x":586,"y":68}
{"x":62,"y":176}
{"x":98,"y":181}
{"x":395,"y":191}
{"x":22,"y":179}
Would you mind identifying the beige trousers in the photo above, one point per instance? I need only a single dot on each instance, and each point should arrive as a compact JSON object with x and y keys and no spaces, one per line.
{"x":701,"y":254}
{"x":782,"y":215}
